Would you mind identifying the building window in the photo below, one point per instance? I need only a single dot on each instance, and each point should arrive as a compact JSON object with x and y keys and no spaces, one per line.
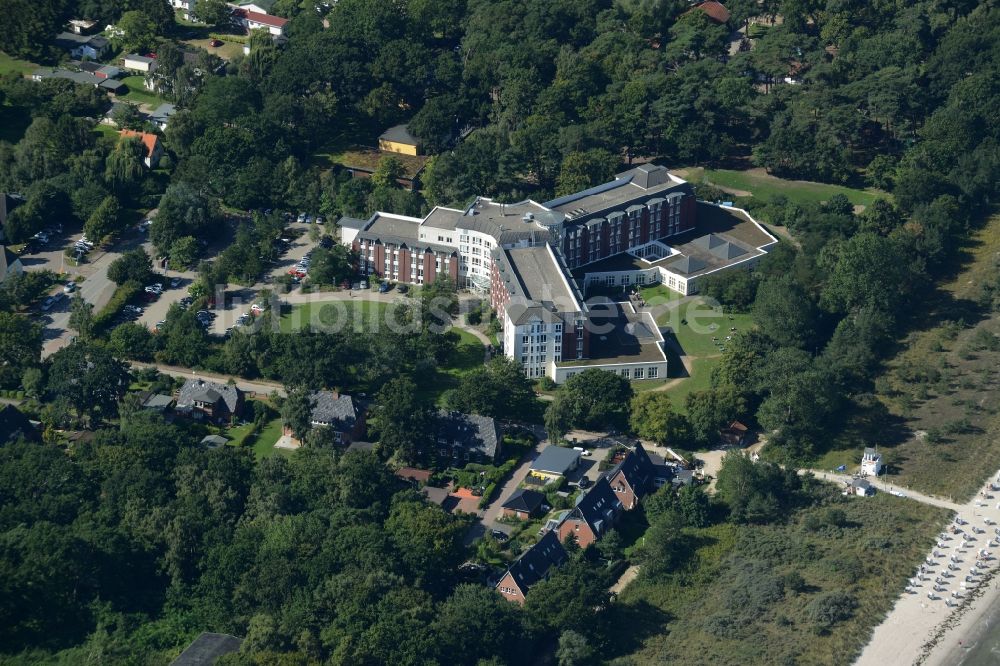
{"x":626,"y":373}
{"x":609,"y":280}
{"x":638,"y":373}
{"x":653,"y":370}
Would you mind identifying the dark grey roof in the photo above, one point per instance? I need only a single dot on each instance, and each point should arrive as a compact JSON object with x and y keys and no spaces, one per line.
{"x":99,"y":42}
{"x":860,"y":483}
{"x":199,"y":390}
{"x":709,"y":241}
{"x":351,"y":222}
{"x":639,"y":186}
{"x":637,"y":469}
{"x":83,"y":78}
{"x":728,"y":251}
{"x":8,"y":202}
{"x":111,"y":84}
{"x":471,"y":431}
{"x":158,"y":401}
{"x":139,"y":58}
{"x":70,"y":40}
{"x":14,"y":425}
{"x":213,"y":441}
{"x":88,"y":66}
{"x":598,"y":507}
{"x":534,"y":563}
{"x":163,"y":112}
{"x":524,"y":500}
{"x":556,"y":459}
{"x":399,"y":230}
{"x":686,"y":265}
{"x":206,"y":649}
{"x":333,"y":409}
{"x":399,"y":134}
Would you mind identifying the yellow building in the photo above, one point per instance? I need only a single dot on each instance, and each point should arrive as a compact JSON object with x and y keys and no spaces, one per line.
{"x":399,"y":140}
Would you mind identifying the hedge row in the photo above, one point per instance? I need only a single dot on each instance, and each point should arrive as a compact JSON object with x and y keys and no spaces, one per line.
{"x":239,"y":39}
{"x":12,"y":394}
{"x":123,"y":294}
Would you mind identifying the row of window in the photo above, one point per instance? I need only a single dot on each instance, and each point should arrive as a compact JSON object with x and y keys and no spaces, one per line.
{"x":652,"y":372}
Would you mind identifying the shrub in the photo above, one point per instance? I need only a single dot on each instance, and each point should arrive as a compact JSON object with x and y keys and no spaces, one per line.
{"x":122,"y":295}
{"x":829,"y":608}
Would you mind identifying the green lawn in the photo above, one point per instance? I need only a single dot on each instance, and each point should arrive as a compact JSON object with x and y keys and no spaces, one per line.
{"x":263,"y":443}
{"x":762,"y":185}
{"x":695,"y":324}
{"x":337,"y":315}
{"x":137,"y":92}
{"x":700,"y":380}
{"x":468,"y":356}
{"x":12,"y":65}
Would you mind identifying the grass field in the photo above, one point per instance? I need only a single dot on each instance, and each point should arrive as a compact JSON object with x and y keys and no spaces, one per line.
{"x":727,"y":601}
{"x":12,"y":65}
{"x":227,"y":51}
{"x":138,"y":94}
{"x":760,"y":184}
{"x":262,"y":443}
{"x":337,"y":315}
{"x":368,"y":158}
{"x":468,"y":356}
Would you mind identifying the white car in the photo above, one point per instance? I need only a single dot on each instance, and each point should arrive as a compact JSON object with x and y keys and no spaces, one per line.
{"x":69,"y":287}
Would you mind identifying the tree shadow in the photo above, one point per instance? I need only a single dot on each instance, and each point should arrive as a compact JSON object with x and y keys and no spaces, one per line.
{"x":628,"y":625}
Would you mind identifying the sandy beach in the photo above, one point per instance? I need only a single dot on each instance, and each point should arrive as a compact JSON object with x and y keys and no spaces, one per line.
{"x":953,"y":604}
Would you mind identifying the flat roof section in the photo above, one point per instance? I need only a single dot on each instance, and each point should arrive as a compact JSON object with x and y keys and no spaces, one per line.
{"x":539,"y":274}
{"x":619,"y":335}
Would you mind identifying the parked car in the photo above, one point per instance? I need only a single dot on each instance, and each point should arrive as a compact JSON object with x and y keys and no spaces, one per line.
{"x":175,"y":282}
{"x":499,"y":535}
{"x":301,"y":218}
{"x":584,"y":482}
{"x":403,"y":288}
{"x":364,"y":284}
{"x":48,"y":303}
{"x":69,"y":287}
{"x":384,"y":287}
{"x":320,"y":220}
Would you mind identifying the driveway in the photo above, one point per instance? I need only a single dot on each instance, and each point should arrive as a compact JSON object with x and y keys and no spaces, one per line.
{"x":488,"y":518}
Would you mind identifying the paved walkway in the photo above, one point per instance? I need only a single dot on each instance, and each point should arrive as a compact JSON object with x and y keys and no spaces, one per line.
{"x":882,"y":485}
{"x":261,"y":387}
{"x":627,"y":577}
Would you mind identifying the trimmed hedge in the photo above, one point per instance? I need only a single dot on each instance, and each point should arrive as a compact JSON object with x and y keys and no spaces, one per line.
{"x":123,"y":294}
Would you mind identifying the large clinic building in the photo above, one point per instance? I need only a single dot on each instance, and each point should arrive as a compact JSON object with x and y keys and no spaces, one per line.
{"x":535,"y":260}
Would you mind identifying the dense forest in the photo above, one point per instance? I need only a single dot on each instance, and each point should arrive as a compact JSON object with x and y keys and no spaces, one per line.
{"x":126,"y":546}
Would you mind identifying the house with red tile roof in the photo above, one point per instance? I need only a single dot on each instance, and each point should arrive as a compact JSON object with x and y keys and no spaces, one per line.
{"x":151,"y":142}
{"x":251,"y":20}
{"x":714,"y":10}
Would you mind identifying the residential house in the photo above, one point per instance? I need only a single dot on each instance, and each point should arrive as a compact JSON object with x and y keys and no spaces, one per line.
{"x":15,"y":425}
{"x":633,"y":478}
{"x":466,"y":437}
{"x":83,"y":46}
{"x":82,"y":78}
{"x":595,"y":513}
{"x":8,"y":202}
{"x":139,"y":63}
{"x":399,"y":140}
{"x":524,"y":504}
{"x":81,"y":26}
{"x":733,"y":434}
{"x":532,"y":567}
{"x":207,"y":649}
{"x":713,"y":10}
{"x":860,"y":487}
{"x":10,"y":264}
{"x":210,"y":400}
{"x":98,"y":70}
{"x":184,"y":6}
{"x":161,"y":115}
{"x":339,"y":412}
{"x":871,"y":462}
{"x":553,"y":463}
{"x":414,"y":475}
{"x":251,"y":20}
{"x":152,"y":145}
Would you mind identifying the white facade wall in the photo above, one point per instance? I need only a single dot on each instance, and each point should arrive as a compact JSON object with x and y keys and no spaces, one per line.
{"x":535,"y":345}
{"x":630,"y":371}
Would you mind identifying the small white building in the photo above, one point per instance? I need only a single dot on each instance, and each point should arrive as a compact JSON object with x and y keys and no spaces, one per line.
{"x":871,"y":462}
{"x":860,"y":487}
{"x":139,"y":63}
